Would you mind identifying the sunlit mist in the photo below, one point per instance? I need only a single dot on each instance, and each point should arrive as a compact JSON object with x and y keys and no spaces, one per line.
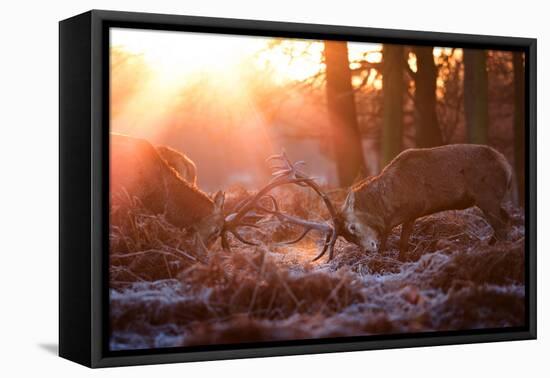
{"x":239,"y":94}
{"x":242,"y":97}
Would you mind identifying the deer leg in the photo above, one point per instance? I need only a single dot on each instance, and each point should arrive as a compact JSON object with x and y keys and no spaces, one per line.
{"x":498,"y":218}
{"x":406,"y":231}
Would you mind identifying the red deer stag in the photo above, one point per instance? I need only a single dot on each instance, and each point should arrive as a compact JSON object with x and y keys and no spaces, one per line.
{"x":136,"y":168}
{"x":418,"y":182}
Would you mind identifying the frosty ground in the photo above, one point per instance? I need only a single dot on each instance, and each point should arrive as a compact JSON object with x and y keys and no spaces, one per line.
{"x":163,"y":293}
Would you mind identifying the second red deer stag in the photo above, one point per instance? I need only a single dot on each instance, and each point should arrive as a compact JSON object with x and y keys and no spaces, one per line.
{"x":420,"y":182}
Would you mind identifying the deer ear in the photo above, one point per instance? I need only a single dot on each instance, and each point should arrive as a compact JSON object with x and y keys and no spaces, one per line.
{"x":219,"y":199}
{"x":350,"y":200}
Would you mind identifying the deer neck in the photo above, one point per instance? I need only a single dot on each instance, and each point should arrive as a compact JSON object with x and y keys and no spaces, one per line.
{"x":370,"y":201}
{"x":185,"y":204}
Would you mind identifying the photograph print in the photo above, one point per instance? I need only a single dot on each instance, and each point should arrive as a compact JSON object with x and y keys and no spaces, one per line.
{"x":268,"y":190}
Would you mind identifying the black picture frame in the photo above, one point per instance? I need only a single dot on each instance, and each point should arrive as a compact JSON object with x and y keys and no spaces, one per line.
{"x":83,"y":181}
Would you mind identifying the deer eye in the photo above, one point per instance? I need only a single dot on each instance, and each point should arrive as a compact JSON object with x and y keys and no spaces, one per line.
{"x":216,"y":230}
{"x":352,"y":228}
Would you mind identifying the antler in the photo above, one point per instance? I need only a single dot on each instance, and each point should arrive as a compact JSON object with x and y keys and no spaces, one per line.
{"x":238,"y":219}
{"x":307,"y":225}
{"x":291,"y":171}
{"x":284,"y":174}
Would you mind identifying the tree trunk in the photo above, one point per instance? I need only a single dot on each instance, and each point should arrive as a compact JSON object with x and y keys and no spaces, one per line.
{"x":428,"y":133}
{"x":392,"y":105}
{"x":345,"y":134}
{"x":519,"y":124}
{"x":476,"y":93}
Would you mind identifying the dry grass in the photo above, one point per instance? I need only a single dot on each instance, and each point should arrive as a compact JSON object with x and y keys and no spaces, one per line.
{"x":164,"y":293}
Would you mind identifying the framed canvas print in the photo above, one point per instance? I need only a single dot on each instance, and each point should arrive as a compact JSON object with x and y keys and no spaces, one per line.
{"x":234,"y":188}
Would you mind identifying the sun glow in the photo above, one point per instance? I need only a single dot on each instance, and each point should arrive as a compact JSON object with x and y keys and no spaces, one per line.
{"x":175,"y":54}
{"x":293,"y":60}
{"x":172,"y":57}
{"x":167,"y":80}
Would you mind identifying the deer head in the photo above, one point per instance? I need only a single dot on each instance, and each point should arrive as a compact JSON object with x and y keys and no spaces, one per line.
{"x":210,"y":227}
{"x":354,"y":225}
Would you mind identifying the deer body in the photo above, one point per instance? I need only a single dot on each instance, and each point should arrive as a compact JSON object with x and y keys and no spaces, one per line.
{"x":137,"y":168}
{"x":420,"y":182}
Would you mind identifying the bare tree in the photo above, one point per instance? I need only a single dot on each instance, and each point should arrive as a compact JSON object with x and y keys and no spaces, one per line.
{"x":342,"y":113}
{"x":450,"y":95}
{"x":476,"y":95}
{"x":428,"y":132}
{"x":392,"y":106}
